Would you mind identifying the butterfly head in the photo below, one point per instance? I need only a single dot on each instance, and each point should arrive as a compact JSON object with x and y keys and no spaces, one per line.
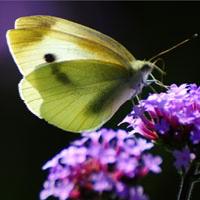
{"x":140,"y":71}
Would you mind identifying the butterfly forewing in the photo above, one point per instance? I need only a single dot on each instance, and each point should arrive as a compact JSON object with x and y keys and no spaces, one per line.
{"x":69,"y":27}
{"x":30,"y":46}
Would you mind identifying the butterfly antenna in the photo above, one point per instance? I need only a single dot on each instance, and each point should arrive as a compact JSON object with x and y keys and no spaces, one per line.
{"x":174,"y":47}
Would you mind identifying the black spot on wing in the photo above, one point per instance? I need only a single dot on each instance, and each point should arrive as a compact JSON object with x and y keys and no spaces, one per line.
{"x":104,"y":98}
{"x":49,"y":57}
{"x":60,"y":76}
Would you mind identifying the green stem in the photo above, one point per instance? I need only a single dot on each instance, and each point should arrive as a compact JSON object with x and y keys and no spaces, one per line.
{"x":187,"y":182}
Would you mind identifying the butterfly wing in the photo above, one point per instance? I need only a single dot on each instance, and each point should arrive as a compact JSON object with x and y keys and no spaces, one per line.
{"x":76,"y":95}
{"x":69,"y":27}
{"x":29,"y":47}
{"x":37,"y":36}
{"x":86,"y":83}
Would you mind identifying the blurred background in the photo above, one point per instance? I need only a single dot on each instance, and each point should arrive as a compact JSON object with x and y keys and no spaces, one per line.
{"x":145,"y":28}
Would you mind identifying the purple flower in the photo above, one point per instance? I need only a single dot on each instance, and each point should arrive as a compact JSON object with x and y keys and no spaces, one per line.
{"x":183,"y":159}
{"x":162,"y":126}
{"x":172,"y":117}
{"x":195,"y":135}
{"x":101,"y":182}
{"x":101,"y":162}
{"x":137,"y":194}
{"x":152,"y":163}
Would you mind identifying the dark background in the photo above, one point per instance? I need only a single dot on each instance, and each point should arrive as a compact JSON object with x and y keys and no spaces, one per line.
{"x":145,"y":28}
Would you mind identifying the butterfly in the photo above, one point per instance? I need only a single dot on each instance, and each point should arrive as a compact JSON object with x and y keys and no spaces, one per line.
{"x":74,"y":77}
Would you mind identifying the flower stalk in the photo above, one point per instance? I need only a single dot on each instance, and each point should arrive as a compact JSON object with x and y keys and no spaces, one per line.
{"x":188,"y":180}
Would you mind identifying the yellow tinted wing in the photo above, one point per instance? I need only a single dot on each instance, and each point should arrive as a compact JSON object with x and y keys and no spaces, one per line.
{"x":30,"y":46}
{"x":69,"y":27}
{"x":76,"y":95}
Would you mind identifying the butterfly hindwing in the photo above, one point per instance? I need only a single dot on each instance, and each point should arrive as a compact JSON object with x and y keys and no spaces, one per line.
{"x":76,"y":95}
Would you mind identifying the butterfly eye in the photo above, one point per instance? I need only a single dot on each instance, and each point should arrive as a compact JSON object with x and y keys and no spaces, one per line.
{"x":49,"y":57}
{"x":145,"y":68}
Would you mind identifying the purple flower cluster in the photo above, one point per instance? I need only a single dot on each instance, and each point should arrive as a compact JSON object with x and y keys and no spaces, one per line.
{"x":183,"y":158}
{"x":172,"y":118}
{"x":102,"y":163}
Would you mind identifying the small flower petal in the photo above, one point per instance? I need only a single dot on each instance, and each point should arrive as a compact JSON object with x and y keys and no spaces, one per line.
{"x":183,"y":158}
